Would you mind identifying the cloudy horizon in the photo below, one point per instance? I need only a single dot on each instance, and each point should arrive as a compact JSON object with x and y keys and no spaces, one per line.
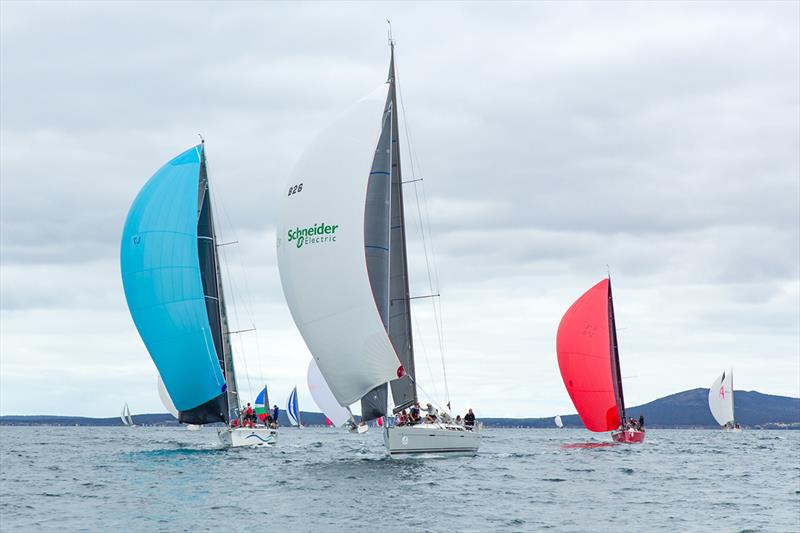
{"x":660,"y":139}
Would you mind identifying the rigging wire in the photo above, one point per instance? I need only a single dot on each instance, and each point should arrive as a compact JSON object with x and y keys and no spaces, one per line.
{"x":234,"y":292}
{"x":433,"y":274}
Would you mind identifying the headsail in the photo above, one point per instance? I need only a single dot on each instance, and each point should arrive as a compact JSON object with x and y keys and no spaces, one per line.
{"x":164,"y":283}
{"x":588,"y":361}
{"x":321,"y":255}
{"x":558,"y":422}
{"x":166,"y":401}
{"x":261,"y":405}
{"x":323,"y":396}
{"x":291,"y":408}
{"x":720,"y":399}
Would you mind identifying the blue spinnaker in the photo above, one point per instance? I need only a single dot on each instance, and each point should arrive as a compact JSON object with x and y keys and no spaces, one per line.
{"x":161,"y":275}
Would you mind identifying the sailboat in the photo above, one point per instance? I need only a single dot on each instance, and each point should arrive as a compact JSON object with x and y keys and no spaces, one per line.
{"x":172,"y":280}
{"x":335,"y":414}
{"x":126,"y":417}
{"x":588,"y":357}
{"x":343,"y":264}
{"x":557,"y":421}
{"x":291,"y":409}
{"x":720,"y":402}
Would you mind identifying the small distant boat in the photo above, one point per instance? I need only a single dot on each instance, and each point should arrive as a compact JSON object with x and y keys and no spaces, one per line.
{"x":335,"y":414}
{"x":588,"y":357}
{"x":126,"y":417}
{"x":720,"y":402}
{"x":171,"y":275}
{"x":557,"y":420}
{"x":291,"y":409}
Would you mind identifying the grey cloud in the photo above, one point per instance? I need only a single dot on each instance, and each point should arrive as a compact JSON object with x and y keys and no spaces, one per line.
{"x":553,"y":139}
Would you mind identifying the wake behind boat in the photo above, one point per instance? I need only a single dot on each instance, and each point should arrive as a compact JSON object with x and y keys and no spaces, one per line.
{"x":588,"y":357}
{"x":343,"y":264}
{"x":172,"y":280}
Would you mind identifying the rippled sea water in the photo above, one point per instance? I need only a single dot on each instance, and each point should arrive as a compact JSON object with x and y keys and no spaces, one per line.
{"x":170,"y":479}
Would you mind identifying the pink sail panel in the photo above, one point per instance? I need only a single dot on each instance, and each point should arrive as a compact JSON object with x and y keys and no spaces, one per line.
{"x":585,"y":359}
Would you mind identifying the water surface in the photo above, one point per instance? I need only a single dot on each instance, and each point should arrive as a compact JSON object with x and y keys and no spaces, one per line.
{"x":170,"y":479}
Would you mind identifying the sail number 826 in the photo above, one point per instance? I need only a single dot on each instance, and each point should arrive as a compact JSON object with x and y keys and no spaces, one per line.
{"x":294,"y":189}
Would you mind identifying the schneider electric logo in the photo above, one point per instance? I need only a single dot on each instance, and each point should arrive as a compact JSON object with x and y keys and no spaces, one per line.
{"x":313,"y":235}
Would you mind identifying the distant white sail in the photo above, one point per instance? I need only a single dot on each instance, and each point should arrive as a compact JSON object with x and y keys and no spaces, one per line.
{"x":165,"y":399}
{"x":321,"y":255}
{"x":720,"y":399}
{"x":126,"y":417}
{"x":323,"y":396}
{"x":558,"y":421}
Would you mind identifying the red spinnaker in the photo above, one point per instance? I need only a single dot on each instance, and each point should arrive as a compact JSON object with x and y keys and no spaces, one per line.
{"x":585,"y":359}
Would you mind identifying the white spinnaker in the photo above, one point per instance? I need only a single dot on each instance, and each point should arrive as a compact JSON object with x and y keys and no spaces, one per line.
{"x":720,"y":399}
{"x":165,"y":399}
{"x":323,"y":396}
{"x":558,"y":421}
{"x":324,"y":277}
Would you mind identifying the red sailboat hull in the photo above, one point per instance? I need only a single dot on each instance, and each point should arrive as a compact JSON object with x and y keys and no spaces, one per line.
{"x":628,"y":436}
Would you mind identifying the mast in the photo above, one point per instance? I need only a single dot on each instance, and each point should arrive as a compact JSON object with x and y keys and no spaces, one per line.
{"x":215,"y":298}
{"x":616,"y":373}
{"x":404,"y":389}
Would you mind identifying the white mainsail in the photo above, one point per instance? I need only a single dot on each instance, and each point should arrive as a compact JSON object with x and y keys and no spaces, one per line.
{"x":321,"y":255}
{"x":323,"y":396}
{"x":720,"y":399}
{"x":558,"y":421}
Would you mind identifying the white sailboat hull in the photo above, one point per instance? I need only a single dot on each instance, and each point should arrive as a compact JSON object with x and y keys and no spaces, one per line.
{"x":236,"y":437}
{"x":438,"y":439}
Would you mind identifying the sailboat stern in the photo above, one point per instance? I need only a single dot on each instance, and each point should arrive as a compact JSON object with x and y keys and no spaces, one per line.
{"x":251,"y":437}
{"x":431,"y":439}
{"x":628,"y":436}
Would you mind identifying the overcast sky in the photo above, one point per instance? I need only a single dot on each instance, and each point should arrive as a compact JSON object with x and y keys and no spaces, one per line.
{"x":553,"y":139}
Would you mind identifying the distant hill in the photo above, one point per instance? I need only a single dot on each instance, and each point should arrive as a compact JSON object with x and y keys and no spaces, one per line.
{"x":687,"y":409}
